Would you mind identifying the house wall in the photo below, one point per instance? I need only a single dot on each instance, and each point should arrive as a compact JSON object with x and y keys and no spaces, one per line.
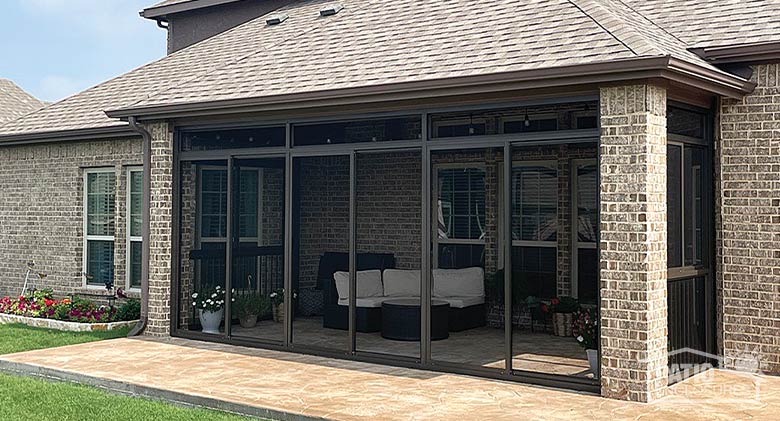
{"x":41,"y":210}
{"x":187,"y":28}
{"x":747,"y":164}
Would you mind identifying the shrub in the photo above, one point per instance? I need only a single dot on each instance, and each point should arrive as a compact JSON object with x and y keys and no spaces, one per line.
{"x":252,"y":304}
{"x":130,"y":310}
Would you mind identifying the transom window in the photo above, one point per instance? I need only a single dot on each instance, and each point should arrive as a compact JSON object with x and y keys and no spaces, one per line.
{"x":99,"y":226}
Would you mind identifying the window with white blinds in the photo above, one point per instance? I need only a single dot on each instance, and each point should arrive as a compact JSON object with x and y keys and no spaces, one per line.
{"x":135,"y":190}
{"x":535,"y":207}
{"x":99,"y":226}
{"x":461,"y":216}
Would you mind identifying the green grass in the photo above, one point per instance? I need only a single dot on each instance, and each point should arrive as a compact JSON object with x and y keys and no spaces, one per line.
{"x":19,"y":338}
{"x":23,"y":398}
{"x":30,"y":398}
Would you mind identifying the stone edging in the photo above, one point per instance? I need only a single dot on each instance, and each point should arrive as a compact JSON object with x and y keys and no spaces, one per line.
{"x":63,"y":325}
{"x":130,"y":389}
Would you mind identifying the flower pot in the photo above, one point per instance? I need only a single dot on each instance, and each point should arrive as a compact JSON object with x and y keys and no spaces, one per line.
{"x":278,"y":313}
{"x":562,"y":324}
{"x":593,"y":361}
{"x":248,"y":321}
{"x":210,"y":320}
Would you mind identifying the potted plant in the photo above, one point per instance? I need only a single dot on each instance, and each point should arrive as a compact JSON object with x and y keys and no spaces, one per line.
{"x":585,"y":329}
{"x":211,"y":308}
{"x":277,"y":301}
{"x":562,"y":309}
{"x":249,"y":307}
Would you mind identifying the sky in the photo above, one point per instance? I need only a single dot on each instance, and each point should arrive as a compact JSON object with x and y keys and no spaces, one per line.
{"x":56,"y":48}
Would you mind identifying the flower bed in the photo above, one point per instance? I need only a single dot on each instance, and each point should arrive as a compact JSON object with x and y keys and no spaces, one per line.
{"x":41,"y":310}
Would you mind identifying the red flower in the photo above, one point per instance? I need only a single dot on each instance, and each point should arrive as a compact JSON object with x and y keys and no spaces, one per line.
{"x":555,"y":301}
{"x":49,"y":302}
{"x":545,"y":308}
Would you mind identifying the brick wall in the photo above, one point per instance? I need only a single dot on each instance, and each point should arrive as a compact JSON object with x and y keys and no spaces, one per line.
{"x":161,"y":229}
{"x":747,"y":166}
{"x":41,"y":210}
{"x":633,"y":242}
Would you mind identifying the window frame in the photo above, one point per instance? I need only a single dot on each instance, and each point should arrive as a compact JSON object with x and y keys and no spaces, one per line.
{"x":531,"y":117}
{"x":436,"y":125}
{"x":435,"y":197}
{"x":85,"y":226}
{"x":130,"y":239}
{"x":576,"y":245}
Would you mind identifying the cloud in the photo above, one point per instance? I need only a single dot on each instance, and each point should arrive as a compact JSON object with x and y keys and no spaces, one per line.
{"x":55,"y":88}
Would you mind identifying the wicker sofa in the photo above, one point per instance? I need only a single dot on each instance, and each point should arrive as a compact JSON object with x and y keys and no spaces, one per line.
{"x":463,"y":289}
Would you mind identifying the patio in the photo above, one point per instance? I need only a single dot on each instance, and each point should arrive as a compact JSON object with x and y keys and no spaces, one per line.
{"x":293,"y":386}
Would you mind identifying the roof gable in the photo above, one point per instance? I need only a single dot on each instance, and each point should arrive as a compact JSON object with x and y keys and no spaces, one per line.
{"x":15,"y":102}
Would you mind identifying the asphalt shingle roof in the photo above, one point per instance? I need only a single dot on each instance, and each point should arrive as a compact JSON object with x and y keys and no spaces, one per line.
{"x":15,"y":102}
{"x":372,"y":43}
{"x":711,"y":23}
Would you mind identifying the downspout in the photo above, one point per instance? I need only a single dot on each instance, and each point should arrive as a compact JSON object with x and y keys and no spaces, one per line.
{"x":145,"y":230}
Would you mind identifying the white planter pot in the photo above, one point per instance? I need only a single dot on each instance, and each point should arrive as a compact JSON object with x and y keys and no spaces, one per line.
{"x":210,"y":320}
{"x":593,"y":361}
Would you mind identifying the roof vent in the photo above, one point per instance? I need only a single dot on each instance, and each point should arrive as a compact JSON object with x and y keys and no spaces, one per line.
{"x":331,"y":9}
{"x":276,"y":19}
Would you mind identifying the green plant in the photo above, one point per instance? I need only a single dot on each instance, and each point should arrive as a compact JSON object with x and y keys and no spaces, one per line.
{"x":211,"y":299}
{"x":585,"y":328}
{"x":130,"y":310}
{"x":564,"y":305}
{"x":252,"y":304}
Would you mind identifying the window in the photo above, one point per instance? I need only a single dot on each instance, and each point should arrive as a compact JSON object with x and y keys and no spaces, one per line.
{"x":254,"y":137}
{"x":135,"y":193}
{"x":685,"y":185}
{"x":459,"y":127}
{"x":358,"y":131}
{"x":461,"y":216}
{"x":535,"y":228}
{"x":213,"y":218}
{"x":585,"y":213}
{"x":99,"y":229}
{"x":531,"y":124}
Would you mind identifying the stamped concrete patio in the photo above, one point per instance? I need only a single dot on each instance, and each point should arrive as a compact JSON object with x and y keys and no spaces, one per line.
{"x":290,"y":386}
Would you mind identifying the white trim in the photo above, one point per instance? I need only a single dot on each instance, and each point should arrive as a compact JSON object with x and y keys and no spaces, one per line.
{"x":576,"y":245}
{"x":85,"y":224}
{"x":128,"y":224}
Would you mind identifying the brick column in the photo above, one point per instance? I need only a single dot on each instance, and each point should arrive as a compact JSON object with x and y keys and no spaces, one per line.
{"x":633,"y":243}
{"x":747,"y":167}
{"x":161,"y":230}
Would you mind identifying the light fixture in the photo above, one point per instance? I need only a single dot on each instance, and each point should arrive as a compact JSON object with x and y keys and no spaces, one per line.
{"x":471,"y":124}
{"x":527,"y":121}
{"x":328,"y":141}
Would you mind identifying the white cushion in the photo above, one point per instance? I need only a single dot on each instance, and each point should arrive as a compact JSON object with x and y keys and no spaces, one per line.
{"x":370,"y":302}
{"x":369,"y":284}
{"x":463,"y":302}
{"x":401,"y":283}
{"x":469,"y":282}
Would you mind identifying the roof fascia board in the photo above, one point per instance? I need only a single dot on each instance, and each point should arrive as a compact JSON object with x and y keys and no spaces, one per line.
{"x":67,"y":135}
{"x":743,"y":53}
{"x":619,"y":70}
{"x":163,"y":11}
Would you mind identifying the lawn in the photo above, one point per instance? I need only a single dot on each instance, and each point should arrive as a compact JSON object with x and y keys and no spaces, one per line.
{"x":30,"y":398}
{"x":19,"y":338}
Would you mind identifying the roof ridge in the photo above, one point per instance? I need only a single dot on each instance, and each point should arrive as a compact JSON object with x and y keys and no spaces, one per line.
{"x":652,"y":22}
{"x":616,"y":26}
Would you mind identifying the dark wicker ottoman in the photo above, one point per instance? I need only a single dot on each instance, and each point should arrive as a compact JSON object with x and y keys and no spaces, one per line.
{"x":401,"y":320}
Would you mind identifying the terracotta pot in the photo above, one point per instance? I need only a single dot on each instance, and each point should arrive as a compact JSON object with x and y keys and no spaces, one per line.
{"x":211,"y":320}
{"x":562,"y":324}
{"x":278,"y":313}
{"x":248,"y":321}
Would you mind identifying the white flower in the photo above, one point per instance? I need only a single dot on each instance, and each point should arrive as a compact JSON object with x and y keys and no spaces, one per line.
{"x":213,"y":295}
{"x":580,"y":338}
{"x":209,"y":301}
{"x":218,"y":288}
{"x":233,"y":300}
{"x":273,"y":295}
{"x":194,"y":304}
{"x":195,"y":295}
{"x":233,"y":290}
{"x":204,"y":305}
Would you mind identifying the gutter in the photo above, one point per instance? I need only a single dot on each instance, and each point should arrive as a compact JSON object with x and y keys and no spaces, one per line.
{"x":145,"y":230}
{"x":115,"y":131}
{"x":744,"y":53}
{"x":664,"y":67}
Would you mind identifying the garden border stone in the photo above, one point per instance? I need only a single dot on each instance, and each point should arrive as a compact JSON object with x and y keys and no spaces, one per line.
{"x":64,"y":325}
